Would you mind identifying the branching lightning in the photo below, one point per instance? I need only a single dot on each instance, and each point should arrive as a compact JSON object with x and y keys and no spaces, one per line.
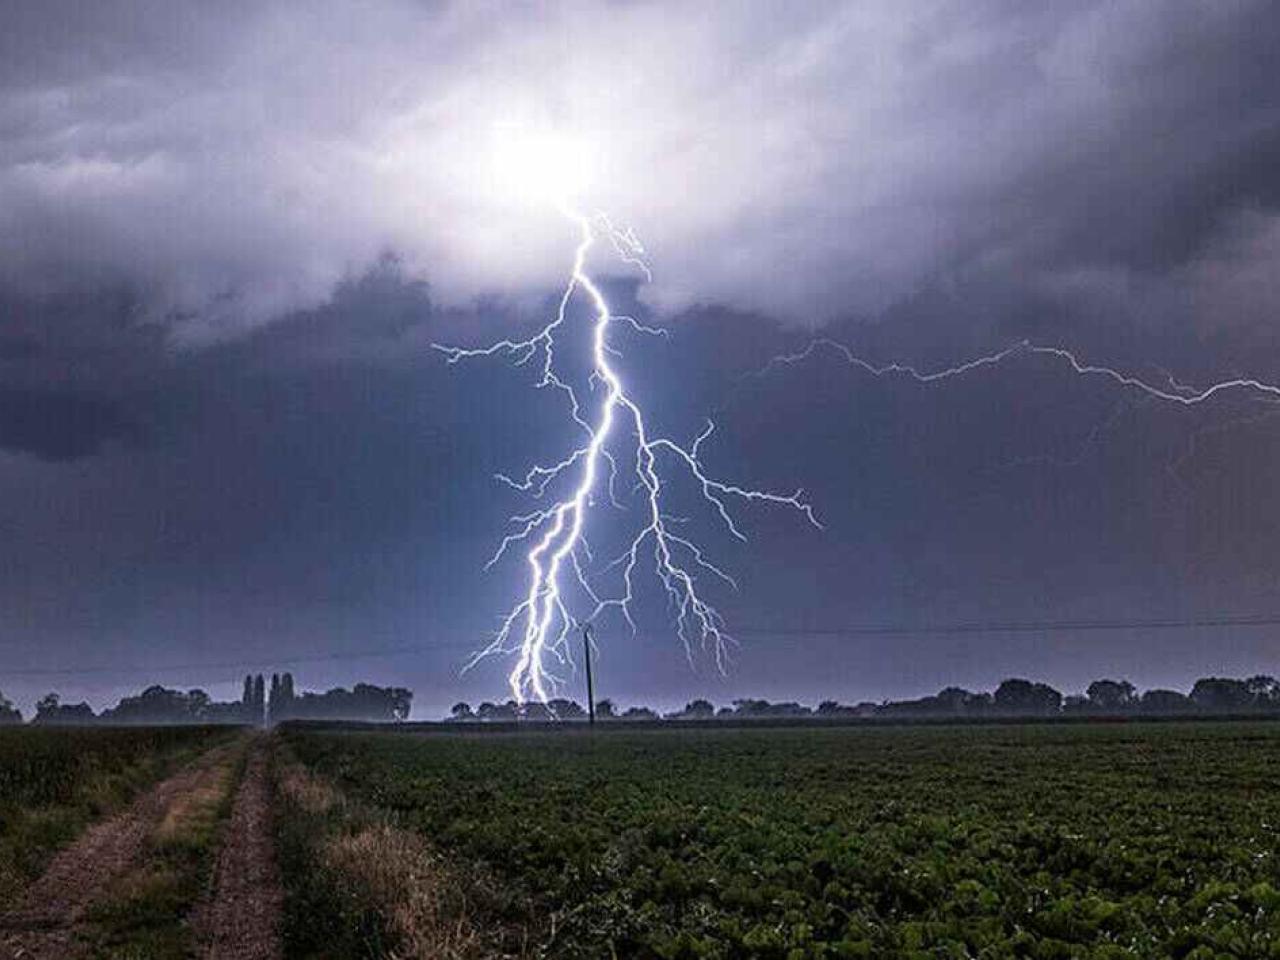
{"x":1173,"y":391}
{"x":536,"y":629}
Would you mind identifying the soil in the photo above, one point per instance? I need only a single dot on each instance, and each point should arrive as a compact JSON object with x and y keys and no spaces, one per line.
{"x":46,"y":921}
{"x":242,"y":920}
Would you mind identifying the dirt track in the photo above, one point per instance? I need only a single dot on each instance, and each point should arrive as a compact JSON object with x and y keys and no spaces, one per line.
{"x":240,"y":923}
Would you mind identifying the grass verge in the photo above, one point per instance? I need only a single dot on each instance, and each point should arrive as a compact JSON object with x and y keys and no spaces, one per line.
{"x":359,"y":886}
{"x":55,"y":782}
{"x":148,"y":916}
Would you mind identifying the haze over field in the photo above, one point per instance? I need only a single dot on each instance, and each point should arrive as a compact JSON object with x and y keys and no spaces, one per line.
{"x":228,"y":239}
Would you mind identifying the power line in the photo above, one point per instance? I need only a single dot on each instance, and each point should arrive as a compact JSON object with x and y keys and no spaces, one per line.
{"x":231,"y":665}
{"x":785,"y":633}
{"x":1015,"y":626}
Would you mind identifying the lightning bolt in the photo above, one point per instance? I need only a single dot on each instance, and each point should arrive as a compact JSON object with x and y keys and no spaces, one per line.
{"x":536,"y":628}
{"x":1173,"y":391}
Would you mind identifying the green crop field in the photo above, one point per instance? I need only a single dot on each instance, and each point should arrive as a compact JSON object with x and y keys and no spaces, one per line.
{"x":54,"y":781}
{"x":1080,"y":841}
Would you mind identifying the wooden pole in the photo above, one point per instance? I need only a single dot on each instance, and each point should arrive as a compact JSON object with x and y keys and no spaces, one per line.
{"x":591,"y":690}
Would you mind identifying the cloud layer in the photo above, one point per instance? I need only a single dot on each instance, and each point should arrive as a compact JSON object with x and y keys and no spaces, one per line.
{"x":807,"y":162}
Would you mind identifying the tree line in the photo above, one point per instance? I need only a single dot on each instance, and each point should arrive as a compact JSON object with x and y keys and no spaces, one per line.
{"x":1014,"y":697}
{"x":263,"y":704}
{"x":258,"y":706}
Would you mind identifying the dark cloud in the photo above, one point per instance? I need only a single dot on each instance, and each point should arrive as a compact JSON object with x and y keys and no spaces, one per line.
{"x":59,"y":426}
{"x":229,"y":237}
{"x":207,"y":161}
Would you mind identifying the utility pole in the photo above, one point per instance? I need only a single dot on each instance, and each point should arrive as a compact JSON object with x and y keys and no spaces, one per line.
{"x":591,"y":689}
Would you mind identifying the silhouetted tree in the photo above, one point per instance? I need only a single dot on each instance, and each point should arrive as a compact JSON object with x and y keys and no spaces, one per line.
{"x":1111,"y":696}
{"x":364,"y":701}
{"x":1074,"y":704}
{"x":498,"y":712}
{"x":1221,"y":695}
{"x":1264,"y":691}
{"x":461,"y":711}
{"x":1164,"y":702}
{"x":246,"y":698}
{"x":50,"y":711}
{"x":159,"y":705}
{"x":763,"y":708}
{"x":259,"y":702}
{"x":698,"y":710}
{"x":563,"y":709}
{"x":287,"y":696}
{"x":952,"y":701}
{"x":639,"y":713}
{"x":9,"y":714}
{"x":605,"y":710}
{"x":1016,"y":696}
{"x":273,"y":701}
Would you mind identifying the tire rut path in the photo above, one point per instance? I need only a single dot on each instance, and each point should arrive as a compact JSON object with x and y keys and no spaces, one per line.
{"x":242,"y":921}
{"x":46,"y":921}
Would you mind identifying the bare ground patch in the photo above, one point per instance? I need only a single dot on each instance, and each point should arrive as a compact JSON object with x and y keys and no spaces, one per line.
{"x":48,"y":921}
{"x":242,"y":920}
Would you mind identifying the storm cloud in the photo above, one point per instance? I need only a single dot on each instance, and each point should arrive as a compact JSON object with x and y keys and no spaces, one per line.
{"x":808,"y":163}
{"x":230,"y":233}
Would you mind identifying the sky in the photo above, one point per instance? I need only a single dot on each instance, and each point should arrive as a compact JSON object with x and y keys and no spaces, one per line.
{"x":230,"y":236}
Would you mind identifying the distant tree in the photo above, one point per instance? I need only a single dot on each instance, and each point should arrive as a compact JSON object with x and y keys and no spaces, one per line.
{"x":1076,"y":703}
{"x":259,"y":701}
{"x":1264,"y":691}
{"x":698,"y":710}
{"x":364,"y":702}
{"x":980,"y":703}
{"x":287,"y":696}
{"x":562,"y":709}
{"x":51,"y":711}
{"x":461,"y":711}
{"x":954,"y":700}
{"x":160,"y":705}
{"x":9,"y":714}
{"x":951,"y":701}
{"x":1221,"y":695}
{"x":246,"y":698}
{"x":498,"y":712}
{"x":1016,"y":696}
{"x":829,"y":708}
{"x":639,"y":713}
{"x":1111,"y":696}
{"x":605,"y":710}
{"x":763,"y":708}
{"x":535,"y":712}
{"x":273,"y":700}
{"x":1164,"y":702}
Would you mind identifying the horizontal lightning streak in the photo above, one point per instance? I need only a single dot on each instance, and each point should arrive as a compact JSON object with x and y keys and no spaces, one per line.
{"x":1179,"y":393}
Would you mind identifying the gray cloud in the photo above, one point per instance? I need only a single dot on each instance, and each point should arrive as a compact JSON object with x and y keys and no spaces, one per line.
{"x":304,"y":192}
{"x":59,"y":426}
{"x":805,"y":163}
